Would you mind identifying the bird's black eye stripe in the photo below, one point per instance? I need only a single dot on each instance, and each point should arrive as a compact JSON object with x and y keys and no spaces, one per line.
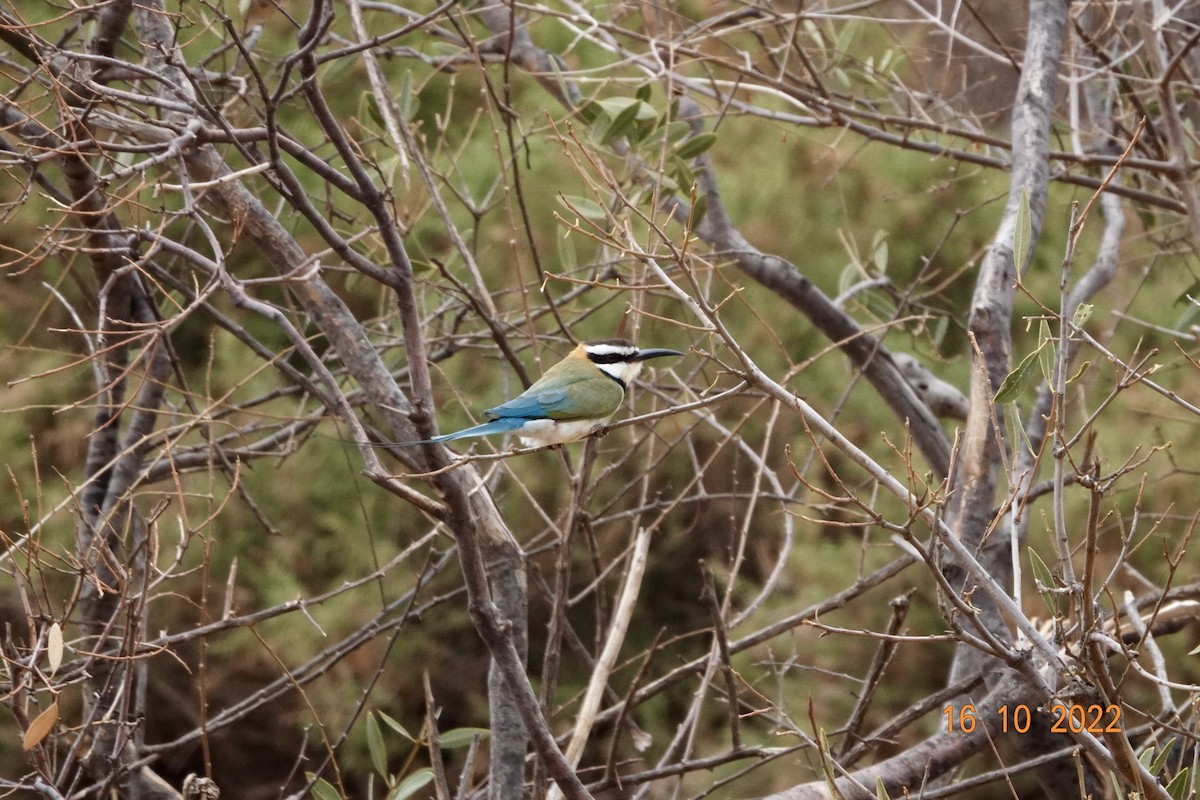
{"x":611,"y":358}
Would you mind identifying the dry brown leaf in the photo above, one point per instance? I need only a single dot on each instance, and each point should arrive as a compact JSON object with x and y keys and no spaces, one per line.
{"x":40,"y":727}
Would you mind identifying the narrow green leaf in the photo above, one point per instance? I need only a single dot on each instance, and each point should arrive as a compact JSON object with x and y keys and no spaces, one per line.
{"x":375,"y":746}
{"x":697,"y":145}
{"x":1147,"y":757}
{"x":373,"y":110}
{"x":1024,"y":232}
{"x":600,"y":128}
{"x":1013,"y":422}
{"x":643,"y":92}
{"x":461,"y":737}
{"x":880,"y":789}
{"x":848,"y":35}
{"x":682,"y":173}
{"x":583,"y":207}
{"x":1016,"y":381}
{"x":940,"y":328}
{"x":1045,"y":581}
{"x":567,"y":258}
{"x":396,"y":726}
{"x":323,"y":789}
{"x":411,"y":785}
{"x":827,"y":764}
{"x":699,"y":209}
{"x":407,"y":103}
{"x":1116,"y":784}
{"x":669,"y":185}
{"x":1084,"y":367}
{"x":1157,"y":764}
{"x":880,"y":256}
{"x":1046,"y":351}
{"x":1179,"y":787}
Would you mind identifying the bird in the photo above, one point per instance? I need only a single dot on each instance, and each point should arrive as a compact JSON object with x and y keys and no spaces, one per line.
{"x":575,"y":397}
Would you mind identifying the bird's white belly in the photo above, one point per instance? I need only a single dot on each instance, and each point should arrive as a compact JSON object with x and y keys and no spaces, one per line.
{"x":544,"y":432}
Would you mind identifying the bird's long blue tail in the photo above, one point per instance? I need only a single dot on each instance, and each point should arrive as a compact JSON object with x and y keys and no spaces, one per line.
{"x":501,"y":425}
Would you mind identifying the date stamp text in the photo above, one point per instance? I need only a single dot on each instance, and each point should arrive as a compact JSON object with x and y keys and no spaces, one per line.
{"x":1073,"y":718}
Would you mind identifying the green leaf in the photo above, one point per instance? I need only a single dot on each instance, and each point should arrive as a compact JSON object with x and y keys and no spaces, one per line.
{"x":1146,"y":757}
{"x":848,"y":35}
{"x":940,"y":328}
{"x":616,"y":118}
{"x":1179,"y":786}
{"x":567,"y":258}
{"x":621,"y":123}
{"x":616,"y":106}
{"x":373,"y":110}
{"x":880,"y":789}
{"x":584,"y":207}
{"x":827,"y":763}
{"x":411,"y":785}
{"x":880,"y":256}
{"x":407,"y":103}
{"x":683,"y":175}
{"x":461,"y":737}
{"x":1045,"y":581}
{"x":1084,"y":367}
{"x":1082,"y":313}
{"x":1118,"y":789}
{"x":396,"y":726}
{"x":600,"y":127}
{"x":1024,"y":232}
{"x":590,"y":111}
{"x":1016,"y":381}
{"x":643,"y":92}
{"x":677,"y":131}
{"x":1046,"y":351}
{"x":699,"y":209}
{"x":375,"y":746}
{"x":697,"y":145}
{"x":323,"y":789}
{"x":1156,"y":766}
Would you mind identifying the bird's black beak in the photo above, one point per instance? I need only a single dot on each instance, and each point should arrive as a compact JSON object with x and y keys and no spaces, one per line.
{"x":655,"y":352}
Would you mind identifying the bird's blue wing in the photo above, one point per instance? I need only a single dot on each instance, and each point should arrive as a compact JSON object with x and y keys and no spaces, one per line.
{"x":532,"y":404}
{"x":578,"y":398}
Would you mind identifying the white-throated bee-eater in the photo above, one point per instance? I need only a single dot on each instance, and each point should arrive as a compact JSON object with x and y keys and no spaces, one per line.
{"x":575,"y":397}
